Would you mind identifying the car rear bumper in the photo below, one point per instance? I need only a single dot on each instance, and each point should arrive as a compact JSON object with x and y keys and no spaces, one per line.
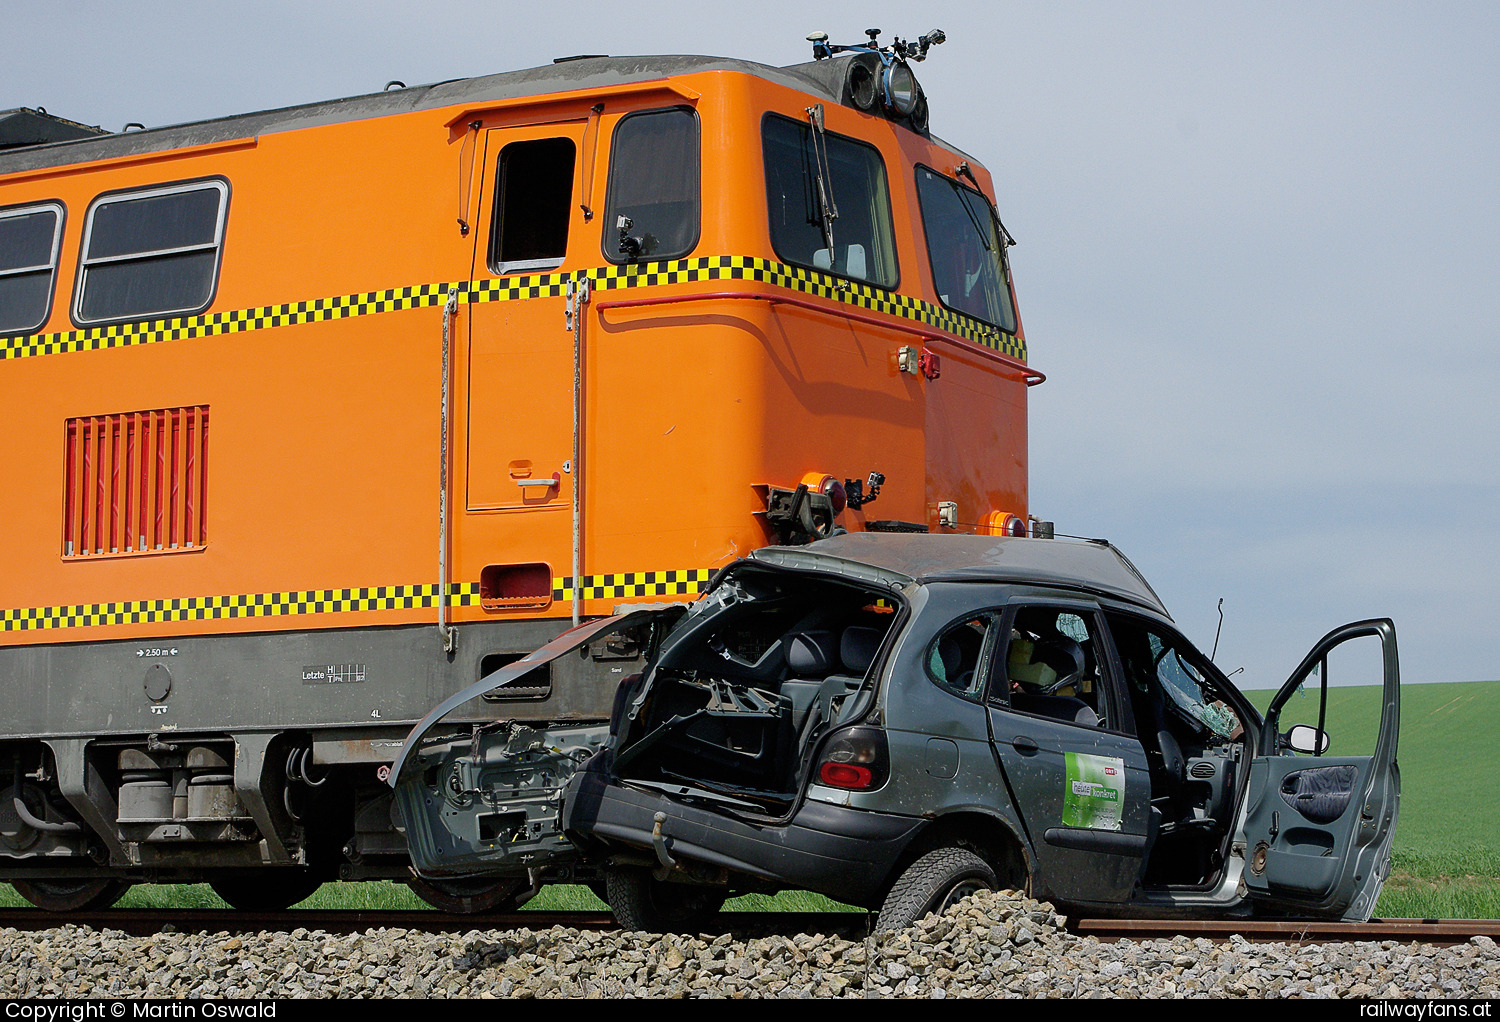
{"x":844,"y":853}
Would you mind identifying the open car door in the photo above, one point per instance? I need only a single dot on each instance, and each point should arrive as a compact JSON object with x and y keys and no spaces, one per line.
{"x":1319,"y":827}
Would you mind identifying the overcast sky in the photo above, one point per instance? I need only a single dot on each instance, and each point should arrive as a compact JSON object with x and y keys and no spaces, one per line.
{"x":1257,"y":260}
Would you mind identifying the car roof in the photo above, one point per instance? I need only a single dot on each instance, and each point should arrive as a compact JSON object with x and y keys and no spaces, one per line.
{"x":903,"y":558}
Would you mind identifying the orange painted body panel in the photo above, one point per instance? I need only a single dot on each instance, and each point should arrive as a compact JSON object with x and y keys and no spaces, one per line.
{"x":323,"y":461}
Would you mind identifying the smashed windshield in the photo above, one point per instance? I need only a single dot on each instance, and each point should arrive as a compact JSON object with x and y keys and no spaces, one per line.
{"x":1184,"y":684}
{"x":963,"y":242}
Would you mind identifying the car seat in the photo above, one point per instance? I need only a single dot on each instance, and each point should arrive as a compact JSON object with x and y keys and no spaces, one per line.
{"x":810,"y":657}
{"x":857,"y":649}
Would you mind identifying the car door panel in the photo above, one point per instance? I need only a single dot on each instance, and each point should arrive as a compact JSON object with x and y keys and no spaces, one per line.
{"x":1102,"y":860}
{"x":1319,"y":828}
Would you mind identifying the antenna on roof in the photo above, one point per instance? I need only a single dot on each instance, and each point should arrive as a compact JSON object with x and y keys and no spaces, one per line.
{"x":1218,"y":629}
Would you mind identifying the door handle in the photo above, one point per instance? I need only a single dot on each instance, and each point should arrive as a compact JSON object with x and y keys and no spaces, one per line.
{"x":548,"y":481}
{"x":1025,"y":746}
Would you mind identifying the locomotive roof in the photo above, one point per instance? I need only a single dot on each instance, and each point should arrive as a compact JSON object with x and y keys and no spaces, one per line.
{"x":821,"y":78}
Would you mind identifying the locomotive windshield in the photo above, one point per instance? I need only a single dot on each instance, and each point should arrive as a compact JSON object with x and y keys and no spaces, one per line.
{"x":964,"y":245}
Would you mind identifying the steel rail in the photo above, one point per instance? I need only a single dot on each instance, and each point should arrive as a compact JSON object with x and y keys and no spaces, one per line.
{"x":854,"y":925}
{"x":143,"y":922}
{"x":1292,"y":931}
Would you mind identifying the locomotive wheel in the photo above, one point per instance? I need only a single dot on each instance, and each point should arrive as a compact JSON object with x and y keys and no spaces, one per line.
{"x":468,"y":897}
{"x":270,"y":890}
{"x":71,"y":895}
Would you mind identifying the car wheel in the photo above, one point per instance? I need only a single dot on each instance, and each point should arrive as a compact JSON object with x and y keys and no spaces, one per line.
{"x":469,"y":897}
{"x":266,"y":890}
{"x":71,"y":895}
{"x":642,"y":902}
{"x":933,"y":883}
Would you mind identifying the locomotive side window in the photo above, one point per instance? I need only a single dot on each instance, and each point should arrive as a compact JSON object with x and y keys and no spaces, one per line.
{"x":533,"y":199}
{"x":151,"y":252}
{"x":858,"y":241}
{"x":29,"y":239}
{"x":654,"y":185}
{"x":965,"y":249}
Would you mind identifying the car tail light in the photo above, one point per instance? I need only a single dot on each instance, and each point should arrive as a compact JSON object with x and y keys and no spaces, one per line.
{"x":854,"y":758}
{"x":830,"y":487}
{"x":845,"y":775}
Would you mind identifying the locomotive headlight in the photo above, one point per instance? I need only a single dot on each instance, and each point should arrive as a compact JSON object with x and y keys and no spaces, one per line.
{"x":863,"y":83}
{"x":900,"y":89}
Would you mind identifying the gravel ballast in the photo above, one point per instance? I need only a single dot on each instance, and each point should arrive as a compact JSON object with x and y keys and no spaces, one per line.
{"x":993,"y":944}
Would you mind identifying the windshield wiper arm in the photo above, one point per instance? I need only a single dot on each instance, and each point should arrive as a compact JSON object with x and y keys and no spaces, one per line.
{"x":827,"y":210}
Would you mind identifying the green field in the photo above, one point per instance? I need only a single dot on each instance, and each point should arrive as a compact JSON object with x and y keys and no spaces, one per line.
{"x":1447,"y":855}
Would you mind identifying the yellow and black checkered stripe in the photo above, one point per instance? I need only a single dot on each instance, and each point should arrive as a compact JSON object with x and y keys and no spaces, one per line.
{"x":335,"y":601}
{"x":633,"y":583}
{"x":235,"y":321}
{"x":518,"y":288}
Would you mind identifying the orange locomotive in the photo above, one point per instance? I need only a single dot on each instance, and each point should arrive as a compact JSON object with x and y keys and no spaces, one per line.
{"x":547,"y":342}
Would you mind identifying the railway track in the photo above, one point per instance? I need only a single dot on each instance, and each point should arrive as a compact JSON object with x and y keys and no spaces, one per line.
{"x":138,"y":922}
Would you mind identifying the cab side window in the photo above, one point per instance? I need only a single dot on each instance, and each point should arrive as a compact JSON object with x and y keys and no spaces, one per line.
{"x":1051,"y":667}
{"x":967,"y":252}
{"x":954,"y":659}
{"x":533,"y":200}
{"x":652,"y":208}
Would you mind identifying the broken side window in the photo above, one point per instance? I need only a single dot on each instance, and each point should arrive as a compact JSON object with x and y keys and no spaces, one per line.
{"x":1052,"y":668}
{"x":953,"y":658}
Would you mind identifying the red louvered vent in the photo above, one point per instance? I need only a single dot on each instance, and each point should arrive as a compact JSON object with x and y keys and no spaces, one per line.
{"x":137,"y":483}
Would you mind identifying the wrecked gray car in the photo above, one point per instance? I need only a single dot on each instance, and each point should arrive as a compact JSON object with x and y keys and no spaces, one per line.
{"x":897,"y":720}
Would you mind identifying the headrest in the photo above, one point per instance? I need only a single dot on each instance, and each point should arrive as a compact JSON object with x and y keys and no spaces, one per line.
{"x":858,"y":647}
{"x":810,"y":653}
{"x":952,"y":655}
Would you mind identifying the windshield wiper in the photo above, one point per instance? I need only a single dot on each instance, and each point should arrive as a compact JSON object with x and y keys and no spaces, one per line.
{"x":963,"y":200}
{"x":828,"y":211}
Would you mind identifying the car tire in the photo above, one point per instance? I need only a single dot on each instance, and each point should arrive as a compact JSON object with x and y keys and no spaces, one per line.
{"x":641,"y":902}
{"x":933,"y":883}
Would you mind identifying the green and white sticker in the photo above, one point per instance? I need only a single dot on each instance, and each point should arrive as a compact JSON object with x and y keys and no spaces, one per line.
{"x":1095,"y":791}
